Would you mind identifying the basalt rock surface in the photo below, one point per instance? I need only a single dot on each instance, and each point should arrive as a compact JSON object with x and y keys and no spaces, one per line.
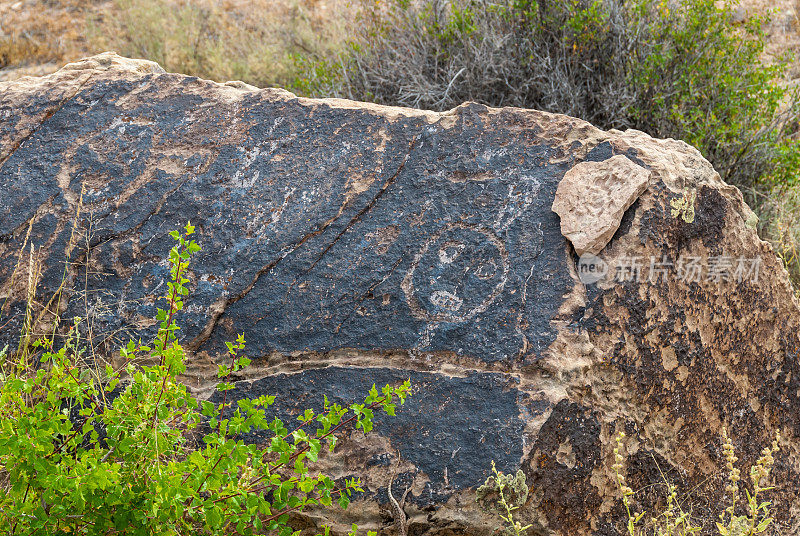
{"x":356,"y":244}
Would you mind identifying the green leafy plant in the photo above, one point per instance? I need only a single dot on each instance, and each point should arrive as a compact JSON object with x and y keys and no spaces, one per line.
{"x":699,"y":77}
{"x":134,"y":453}
{"x":504,"y":494}
{"x":672,"y":521}
{"x":625,"y":491}
{"x":758,"y":517}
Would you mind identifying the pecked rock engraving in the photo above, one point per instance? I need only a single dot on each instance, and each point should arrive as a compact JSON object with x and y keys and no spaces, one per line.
{"x":458,"y":273}
{"x":357,"y":244}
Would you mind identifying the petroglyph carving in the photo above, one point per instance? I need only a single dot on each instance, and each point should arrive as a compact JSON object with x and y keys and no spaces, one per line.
{"x":458,"y":258}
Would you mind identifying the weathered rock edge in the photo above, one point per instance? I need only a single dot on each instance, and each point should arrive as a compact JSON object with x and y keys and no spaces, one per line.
{"x":337,"y":234}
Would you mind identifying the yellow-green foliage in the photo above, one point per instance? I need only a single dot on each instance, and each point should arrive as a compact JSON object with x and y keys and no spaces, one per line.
{"x":674,"y":521}
{"x":504,"y":494}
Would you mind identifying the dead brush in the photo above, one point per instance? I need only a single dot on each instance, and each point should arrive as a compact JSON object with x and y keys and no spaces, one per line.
{"x":779,"y":214}
{"x":42,"y":319}
{"x":16,"y":50}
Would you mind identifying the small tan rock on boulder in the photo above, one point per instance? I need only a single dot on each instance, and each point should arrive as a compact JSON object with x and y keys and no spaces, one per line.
{"x":593,"y":196}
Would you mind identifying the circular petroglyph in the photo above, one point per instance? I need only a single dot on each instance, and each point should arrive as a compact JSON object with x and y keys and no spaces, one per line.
{"x":457,"y":274}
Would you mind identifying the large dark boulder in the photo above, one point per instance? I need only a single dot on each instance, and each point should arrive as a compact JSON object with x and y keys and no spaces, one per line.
{"x":356,"y":244}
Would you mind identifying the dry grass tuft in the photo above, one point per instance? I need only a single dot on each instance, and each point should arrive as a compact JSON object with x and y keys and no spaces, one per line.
{"x":20,"y":49}
{"x":36,"y":36}
{"x":257,"y":41}
{"x":779,"y":214}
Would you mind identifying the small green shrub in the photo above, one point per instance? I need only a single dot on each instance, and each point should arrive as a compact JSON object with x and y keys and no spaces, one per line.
{"x":134,"y":453}
{"x":504,"y":494}
{"x":699,"y":76}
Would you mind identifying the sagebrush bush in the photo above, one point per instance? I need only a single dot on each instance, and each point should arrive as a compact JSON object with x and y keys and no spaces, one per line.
{"x":132,"y":452}
{"x":683,"y":69}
